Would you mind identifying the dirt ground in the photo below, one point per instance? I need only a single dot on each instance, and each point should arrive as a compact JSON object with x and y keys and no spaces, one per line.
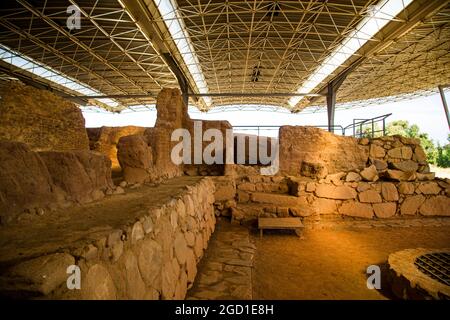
{"x":332,"y":264}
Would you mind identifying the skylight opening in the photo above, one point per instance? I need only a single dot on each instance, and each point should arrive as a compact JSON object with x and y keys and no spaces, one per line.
{"x":177,"y":31}
{"x":378,"y":17}
{"x":45,"y":72}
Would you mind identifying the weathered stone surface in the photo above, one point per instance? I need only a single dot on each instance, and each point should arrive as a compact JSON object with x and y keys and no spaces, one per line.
{"x":400,"y":175}
{"x":313,"y":169}
{"x":376,"y":151}
{"x":198,"y":247}
{"x":389,"y":191}
{"x":369,"y":173}
{"x":385,"y":209}
{"x":310,"y":187}
{"x":169,"y":281}
{"x":324,"y":206}
{"x":336,"y":153}
{"x":353,"y":177}
{"x":135,"y":157}
{"x":406,"y":187}
{"x":400,"y":153}
{"x":335,"y":192}
{"x":369,"y":196}
{"x":40,"y":275}
{"x":137,"y":232}
{"x":150,"y":262}
{"x":78,"y":173}
{"x":363,"y":186}
{"x":335,"y":178}
{"x":407,"y":166}
{"x":356,"y":209}
{"x":411,"y":204}
{"x":420,"y":155}
{"x":436,"y":206}
{"x":41,"y":119}
{"x":135,"y":286}
{"x":379,"y":164}
{"x":275,"y":199}
{"x":191,"y":267}
{"x":363,"y":141}
{"x":25,"y":180}
{"x":98,"y":284}
{"x":180,"y":248}
{"x":224,"y":192}
{"x":105,"y":140}
{"x":428,"y":188}
{"x":181,"y":287}
{"x":246,"y":187}
{"x":425,"y":176}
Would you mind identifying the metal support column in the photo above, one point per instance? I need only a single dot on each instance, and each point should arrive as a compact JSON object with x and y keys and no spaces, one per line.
{"x":331,"y":103}
{"x":444,"y":103}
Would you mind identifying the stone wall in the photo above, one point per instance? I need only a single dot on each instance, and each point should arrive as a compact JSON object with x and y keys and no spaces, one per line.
{"x":346,"y":178}
{"x":146,"y":157}
{"x":152,"y":257}
{"x":105,"y":140}
{"x":41,"y":119}
{"x":314,"y":153}
{"x":33,"y":182}
{"x":337,"y":197}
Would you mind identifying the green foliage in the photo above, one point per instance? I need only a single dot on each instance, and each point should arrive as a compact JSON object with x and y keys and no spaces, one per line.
{"x":443,"y":155}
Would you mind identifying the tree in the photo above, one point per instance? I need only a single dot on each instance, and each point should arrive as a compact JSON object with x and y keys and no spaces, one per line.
{"x":443,"y":154}
{"x":402,"y":127}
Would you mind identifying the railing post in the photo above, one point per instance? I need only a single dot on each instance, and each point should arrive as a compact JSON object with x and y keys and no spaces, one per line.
{"x":373,"y":129}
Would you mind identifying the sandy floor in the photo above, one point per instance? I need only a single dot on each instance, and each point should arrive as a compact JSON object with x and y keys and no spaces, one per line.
{"x":441,"y":172}
{"x":331,"y":264}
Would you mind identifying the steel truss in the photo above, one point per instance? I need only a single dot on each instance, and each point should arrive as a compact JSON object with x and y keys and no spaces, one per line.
{"x":124,"y":53}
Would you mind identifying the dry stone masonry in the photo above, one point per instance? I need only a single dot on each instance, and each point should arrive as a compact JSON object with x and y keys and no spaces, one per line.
{"x":381,"y":178}
{"x":153,"y":257}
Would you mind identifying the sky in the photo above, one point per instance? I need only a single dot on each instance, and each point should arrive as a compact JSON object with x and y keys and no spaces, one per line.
{"x":427,"y":112}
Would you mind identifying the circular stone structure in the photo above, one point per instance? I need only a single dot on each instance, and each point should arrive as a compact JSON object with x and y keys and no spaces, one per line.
{"x":420,"y":273}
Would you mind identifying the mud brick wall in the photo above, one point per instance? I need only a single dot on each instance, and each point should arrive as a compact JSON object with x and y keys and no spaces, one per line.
{"x":153,"y":257}
{"x":32,"y":183}
{"x":105,"y":140}
{"x":330,"y":153}
{"x":146,"y":157}
{"x":41,"y":119}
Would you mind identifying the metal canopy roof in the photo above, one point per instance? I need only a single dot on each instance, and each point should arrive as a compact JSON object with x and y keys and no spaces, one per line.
{"x":128,"y":47}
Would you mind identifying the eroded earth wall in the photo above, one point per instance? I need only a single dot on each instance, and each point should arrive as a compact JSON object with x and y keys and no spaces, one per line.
{"x":41,"y":119}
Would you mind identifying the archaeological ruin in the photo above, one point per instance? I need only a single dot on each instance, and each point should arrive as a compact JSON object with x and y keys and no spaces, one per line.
{"x":195,"y":209}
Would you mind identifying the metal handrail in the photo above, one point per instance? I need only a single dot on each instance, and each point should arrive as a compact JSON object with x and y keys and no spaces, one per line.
{"x":372,"y":121}
{"x":356,"y":123}
{"x":268,"y":127}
